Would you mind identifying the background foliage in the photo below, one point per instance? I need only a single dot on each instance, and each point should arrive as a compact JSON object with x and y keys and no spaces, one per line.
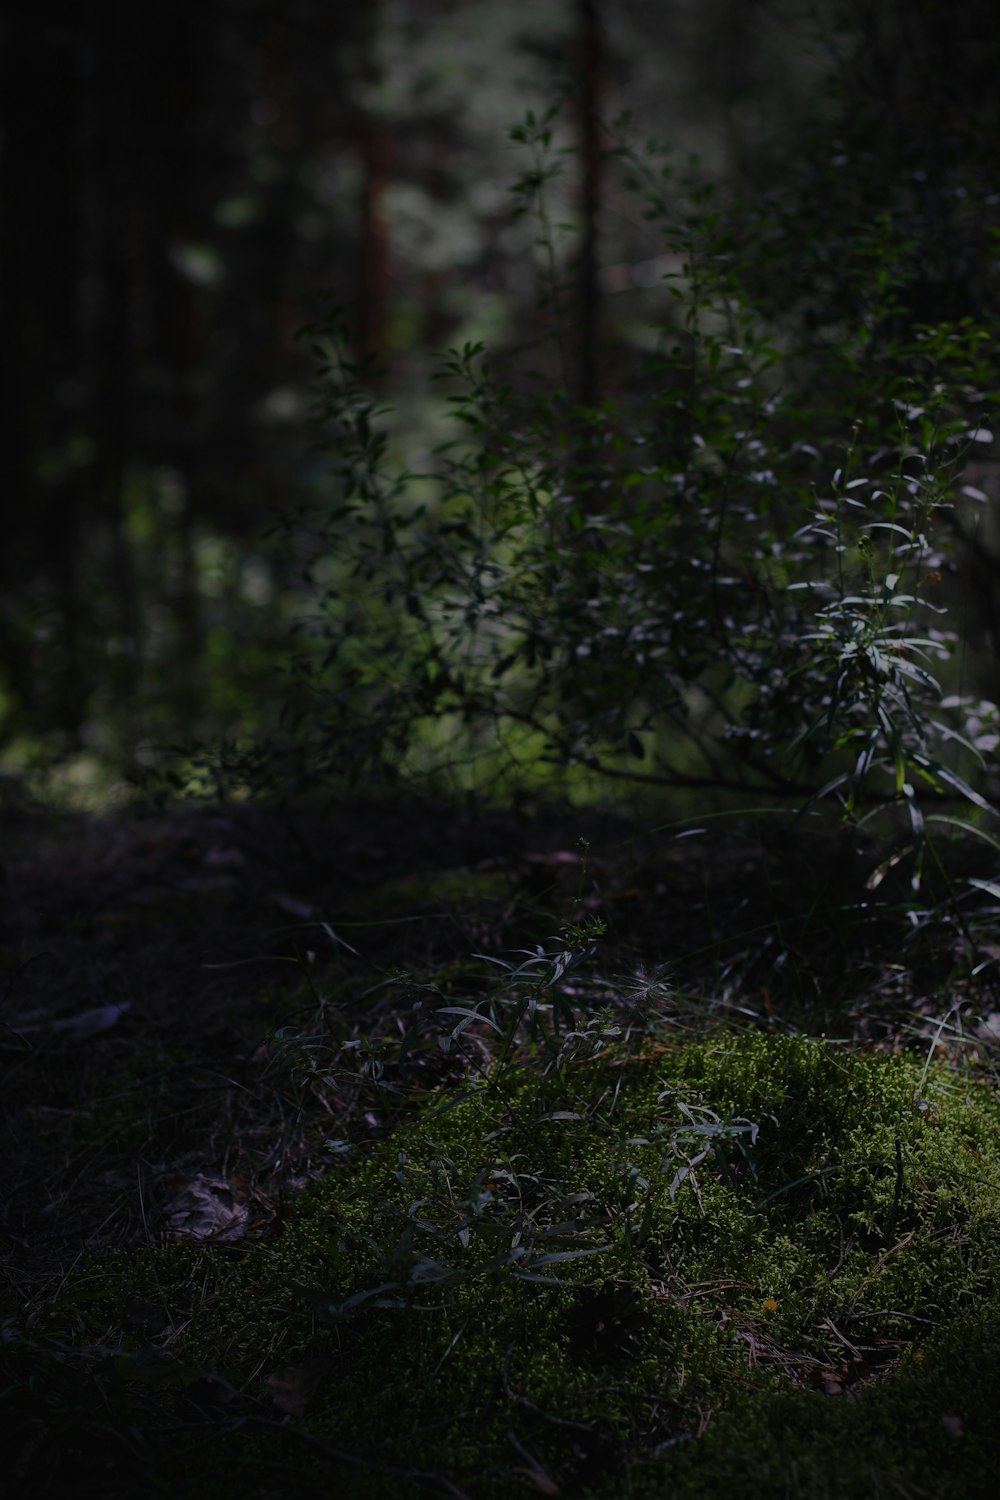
{"x":844,"y":208}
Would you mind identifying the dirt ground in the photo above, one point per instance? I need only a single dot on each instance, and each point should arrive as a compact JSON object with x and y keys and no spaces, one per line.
{"x":146,"y":960}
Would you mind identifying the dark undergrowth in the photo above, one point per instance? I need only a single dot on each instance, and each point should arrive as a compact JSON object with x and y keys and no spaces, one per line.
{"x":398,"y":1151}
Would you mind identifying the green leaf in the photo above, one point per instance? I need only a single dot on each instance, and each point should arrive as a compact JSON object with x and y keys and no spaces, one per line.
{"x":942,"y":773}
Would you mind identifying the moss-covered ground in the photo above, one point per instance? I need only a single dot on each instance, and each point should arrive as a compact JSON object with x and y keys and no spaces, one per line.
{"x":547,"y":1221}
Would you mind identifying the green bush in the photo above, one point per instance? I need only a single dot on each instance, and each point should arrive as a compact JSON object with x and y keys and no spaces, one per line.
{"x":733,"y":578}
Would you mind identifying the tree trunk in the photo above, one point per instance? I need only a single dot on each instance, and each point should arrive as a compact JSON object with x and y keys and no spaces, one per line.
{"x":589,"y":55}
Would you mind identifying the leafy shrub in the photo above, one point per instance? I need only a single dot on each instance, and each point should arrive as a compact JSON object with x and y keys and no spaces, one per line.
{"x":734,"y":578}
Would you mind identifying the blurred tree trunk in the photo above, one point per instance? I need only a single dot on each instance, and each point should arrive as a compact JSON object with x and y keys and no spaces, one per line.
{"x":40,"y":380}
{"x":589,"y":65}
{"x":585,"y":376}
{"x":375,"y":150}
{"x":110,"y":156}
{"x":179,"y":299}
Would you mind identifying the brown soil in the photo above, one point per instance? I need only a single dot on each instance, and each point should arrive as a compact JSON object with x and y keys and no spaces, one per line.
{"x":145,"y":960}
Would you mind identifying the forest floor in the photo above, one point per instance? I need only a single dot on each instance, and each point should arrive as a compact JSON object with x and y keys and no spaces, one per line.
{"x":204,"y":1015}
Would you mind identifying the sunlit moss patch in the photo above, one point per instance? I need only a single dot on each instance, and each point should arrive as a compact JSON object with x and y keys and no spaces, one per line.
{"x":750,"y":1258}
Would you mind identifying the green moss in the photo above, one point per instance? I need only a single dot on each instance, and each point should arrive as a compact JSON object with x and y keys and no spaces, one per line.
{"x":521,"y":1283}
{"x":451,"y":889}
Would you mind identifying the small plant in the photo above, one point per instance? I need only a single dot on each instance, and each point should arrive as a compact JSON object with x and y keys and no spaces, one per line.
{"x":703,"y":1136}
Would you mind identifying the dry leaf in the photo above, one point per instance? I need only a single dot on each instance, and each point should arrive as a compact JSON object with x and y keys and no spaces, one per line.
{"x":218,"y":858}
{"x":292,"y":1387}
{"x":541,"y":1481}
{"x":292,"y":906}
{"x":208,"y":1208}
{"x":78,"y":1028}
